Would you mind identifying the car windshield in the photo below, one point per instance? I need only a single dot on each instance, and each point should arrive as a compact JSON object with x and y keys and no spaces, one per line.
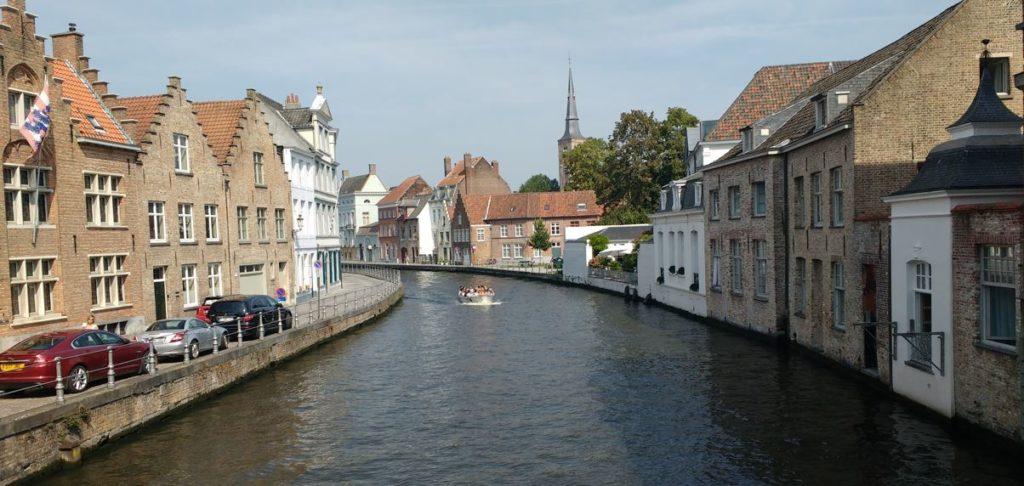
{"x":37,"y":343}
{"x":228,"y":307}
{"x":167,"y":325}
{"x":210,"y":300}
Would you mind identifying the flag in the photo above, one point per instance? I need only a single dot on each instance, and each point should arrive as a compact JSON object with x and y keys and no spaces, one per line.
{"x":37,"y":123}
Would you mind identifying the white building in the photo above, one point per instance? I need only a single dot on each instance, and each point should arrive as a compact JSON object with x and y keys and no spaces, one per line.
{"x":578,"y":253}
{"x":426,"y":249}
{"x":357,"y":213}
{"x":307,"y":143}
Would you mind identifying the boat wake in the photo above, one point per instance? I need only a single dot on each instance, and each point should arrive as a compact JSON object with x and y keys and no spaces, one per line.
{"x":481,"y":304}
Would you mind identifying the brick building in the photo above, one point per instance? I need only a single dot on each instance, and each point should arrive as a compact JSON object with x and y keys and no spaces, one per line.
{"x":497,"y":228}
{"x":471,"y":175}
{"x":68,"y":209}
{"x":396,"y":243}
{"x":257,"y":202}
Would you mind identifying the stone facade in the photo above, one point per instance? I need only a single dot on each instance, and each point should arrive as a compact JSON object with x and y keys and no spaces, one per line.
{"x":471,"y":175}
{"x":398,"y":242}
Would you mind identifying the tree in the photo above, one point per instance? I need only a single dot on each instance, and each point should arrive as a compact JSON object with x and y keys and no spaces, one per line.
{"x":636,"y":158}
{"x":540,"y":239}
{"x":598,"y":243}
{"x":674,"y":146}
{"x":584,"y":165}
{"x":625,"y":215}
{"x":539,"y":183}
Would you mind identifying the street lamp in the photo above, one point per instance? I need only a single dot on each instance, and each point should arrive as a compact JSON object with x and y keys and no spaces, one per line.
{"x":298,"y":224}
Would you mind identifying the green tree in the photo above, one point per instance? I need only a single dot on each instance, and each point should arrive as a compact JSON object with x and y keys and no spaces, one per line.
{"x":673,"y":142}
{"x":625,"y":215}
{"x":541,"y":238}
{"x":635,"y":161}
{"x":584,"y":165}
{"x":598,"y":243}
{"x":539,"y":183}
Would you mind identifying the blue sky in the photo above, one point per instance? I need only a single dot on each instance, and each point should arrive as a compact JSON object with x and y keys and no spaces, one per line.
{"x":412,"y":81}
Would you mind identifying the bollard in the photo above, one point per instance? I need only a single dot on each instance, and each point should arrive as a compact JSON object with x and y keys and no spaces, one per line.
{"x":262,"y":331}
{"x":186,"y":354}
{"x":60,"y":382}
{"x":280,"y":320}
{"x":110,"y":367}
{"x":151,"y":357}
{"x":216,"y":343}
{"x":238,"y":326}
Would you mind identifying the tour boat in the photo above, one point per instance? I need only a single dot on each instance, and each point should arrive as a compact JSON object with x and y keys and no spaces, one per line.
{"x":477,"y":299}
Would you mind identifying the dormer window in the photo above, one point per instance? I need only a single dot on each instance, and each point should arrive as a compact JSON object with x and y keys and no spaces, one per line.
{"x":820,"y":112}
{"x":764,"y":132}
{"x":94,"y":122}
{"x":747,"y":139}
{"x":842,"y":98}
{"x":581,"y":206}
{"x":1000,"y":67}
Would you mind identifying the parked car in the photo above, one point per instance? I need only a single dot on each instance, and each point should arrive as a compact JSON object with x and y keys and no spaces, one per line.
{"x":83,"y":354}
{"x":205,"y":308}
{"x":175,"y":337}
{"x":242,"y":313}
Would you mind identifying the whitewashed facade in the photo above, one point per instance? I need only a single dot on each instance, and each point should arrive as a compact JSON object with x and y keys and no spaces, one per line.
{"x":357,"y":211}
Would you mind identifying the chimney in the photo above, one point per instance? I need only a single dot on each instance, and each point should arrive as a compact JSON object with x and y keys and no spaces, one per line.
{"x":174,"y":82}
{"x":319,"y":89}
{"x":292,"y":101}
{"x":250,"y":93}
{"x":466,"y":157}
{"x":494,"y":164}
{"x":68,"y":45}
{"x":100,"y":87}
{"x":91,"y":75}
{"x":373,"y":169}
{"x":447,"y":165}
{"x":344,"y":173}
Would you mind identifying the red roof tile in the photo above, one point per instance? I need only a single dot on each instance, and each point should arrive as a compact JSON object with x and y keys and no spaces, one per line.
{"x":220,"y":122}
{"x":142,"y":109}
{"x":85,"y":104}
{"x":398,"y":192}
{"x":458,"y":172}
{"x":770,"y":90}
{"x":544,"y":205}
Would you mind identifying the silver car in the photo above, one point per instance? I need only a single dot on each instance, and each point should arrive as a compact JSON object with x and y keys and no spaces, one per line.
{"x":176,"y":336}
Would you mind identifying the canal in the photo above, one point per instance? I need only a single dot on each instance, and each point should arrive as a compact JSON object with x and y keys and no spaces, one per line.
{"x":555,"y":385}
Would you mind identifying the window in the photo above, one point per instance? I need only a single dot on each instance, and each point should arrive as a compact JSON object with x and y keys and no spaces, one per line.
{"x":32,"y":283}
{"x":580,"y":207}
{"x":212,"y":222}
{"x":103,"y":199}
{"x":243,"y":224}
{"x":737,"y":265}
{"x":506,"y":250}
{"x":698,"y":192}
{"x":1000,"y":68}
{"x":816,"y":199}
{"x":181,"y":161}
{"x":713,"y":197}
{"x":716,"y":264}
{"x":189,"y":293}
{"x":257,"y":168}
{"x":761,"y":268}
{"x":921,"y":312}
{"x":574,"y":224}
{"x":998,"y":306}
{"x":759,"y":199}
{"x":214,"y":280}
{"x":518,"y":251}
{"x":798,"y":202}
{"x":519,"y":231}
{"x":556,"y":228}
{"x":20,"y":105}
{"x":186,"y":229}
{"x":479,"y":234}
{"x":837,"y":196}
{"x":157,"y":225}
{"x":747,"y":139}
{"x":108,"y":276}
{"x":734,"y":202}
{"x":279,"y":223}
{"x":842,"y":97}
{"x":820,"y":112}
{"x":838,"y":296}
{"x":800,"y":285}
{"x":94,"y":122}
{"x":503,"y":230}
{"x":366,"y":218}
{"x":261,"y":224}
{"x":27,"y":194}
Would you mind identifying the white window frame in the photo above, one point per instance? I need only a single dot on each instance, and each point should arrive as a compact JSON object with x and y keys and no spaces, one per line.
{"x":716,"y":264}
{"x":997,"y":270}
{"x":816,"y":200}
{"x":186,"y":223}
{"x":760,"y":200}
{"x":211,"y":218}
{"x":102,"y":201}
{"x":279,"y":228}
{"x":180,"y":146}
{"x":506,"y":251}
{"x":479,"y":234}
{"x":556,"y":228}
{"x":838,"y":295}
{"x":261,"y":224}
{"x":1001,"y":75}
{"x":214,"y":279}
{"x":736,"y":272}
{"x":242,"y":213}
{"x":836,"y":206}
{"x":257,"y":169}
{"x":735,"y":200}
{"x":517,"y":250}
{"x":157,"y":222}
{"x":108,"y":280}
{"x":761,"y":268}
{"x":23,"y":193}
{"x":503,"y":231}
{"x":519,"y":230}
{"x":19,"y":104}
{"x":32,"y":292}
{"x":189,"y":286}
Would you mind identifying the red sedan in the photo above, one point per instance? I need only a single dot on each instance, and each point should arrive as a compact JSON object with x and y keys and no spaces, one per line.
{"x":83,"y":354}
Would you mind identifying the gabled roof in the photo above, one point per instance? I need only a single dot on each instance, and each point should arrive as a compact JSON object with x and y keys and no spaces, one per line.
{"x":458,"y":172}
{"x":85,"y":104}
{"x":283,"y":132}
{"x":142,"y":109}
{"x":220,"y":122}
{"x":298,"y":117}
{"x":771,"y":88}
{"x":398,"y":192}
{"x":353,"y":184}
{"x":531,"y":205}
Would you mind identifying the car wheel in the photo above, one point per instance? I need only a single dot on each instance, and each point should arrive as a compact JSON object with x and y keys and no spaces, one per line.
{"x":193,"y":349}
{"x":78,"y":379}
{"x":223,"y":342}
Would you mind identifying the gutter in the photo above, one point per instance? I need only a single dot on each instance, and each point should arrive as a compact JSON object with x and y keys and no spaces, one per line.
{"x":102,"y":143}
{"x":776,"y":150}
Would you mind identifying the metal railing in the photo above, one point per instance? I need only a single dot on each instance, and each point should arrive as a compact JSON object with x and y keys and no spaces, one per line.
{"x":283,"y":319}
{"x":616,"y":275}
{"x":524,"y":266}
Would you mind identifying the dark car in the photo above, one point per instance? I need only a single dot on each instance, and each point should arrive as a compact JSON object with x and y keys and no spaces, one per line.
{"x":204,"y":308}
{"x":242,"y":312}
{"x":83,"y":353}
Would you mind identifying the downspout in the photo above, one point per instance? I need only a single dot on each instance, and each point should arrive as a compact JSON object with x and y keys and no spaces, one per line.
{"x":785,"y":234}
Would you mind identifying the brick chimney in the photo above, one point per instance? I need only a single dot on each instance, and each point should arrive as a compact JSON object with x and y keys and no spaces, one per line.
{"x":447,"y":165}
{"x":68,"y":45}
{"x":174,"y":82}
{"x":292,"y":101}
{"x":494,"y":164}
{"x":466,"y":157}
{"x":373,"y":169}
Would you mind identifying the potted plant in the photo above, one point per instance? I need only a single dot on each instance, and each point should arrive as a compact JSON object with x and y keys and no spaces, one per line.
{"x":672,"y":269}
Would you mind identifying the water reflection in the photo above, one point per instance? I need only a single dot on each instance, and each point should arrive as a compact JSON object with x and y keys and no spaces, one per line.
{"x":556,"y":385}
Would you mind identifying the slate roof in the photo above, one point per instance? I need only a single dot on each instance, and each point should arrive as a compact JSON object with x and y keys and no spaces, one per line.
{"x":987,"y":107}
{"x":298,"y":117}
{"x":771,"y":89}
{"x":978,"y":162}
{"x":532,"y":205}
{"x":353,"y":184}
{"x":220,"y":122}
{"x":85,"y":103}
{"x":283,"y":132}
{"x":142,"y":109}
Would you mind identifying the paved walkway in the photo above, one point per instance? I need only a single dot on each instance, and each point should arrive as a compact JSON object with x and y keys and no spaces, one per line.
{"x":354,"y":286}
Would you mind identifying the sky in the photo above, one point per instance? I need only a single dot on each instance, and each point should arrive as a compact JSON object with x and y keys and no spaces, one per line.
{"x":409,"y":82}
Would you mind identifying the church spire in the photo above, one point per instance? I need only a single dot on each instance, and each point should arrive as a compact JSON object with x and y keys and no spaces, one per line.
{"x":572,"y":119}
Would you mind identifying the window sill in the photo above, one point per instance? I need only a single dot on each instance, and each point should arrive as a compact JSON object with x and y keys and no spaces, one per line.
{"x":917,"y":365}
{"x":837,"y":226}
{"x":30,"y":226}
{"x":190,"y":307}
{"x":244,"y":242}
{"x":816,"y":226}
{"x":758,"y":216}
{"x":214,"y":242}
{"x":282,"y":240}
{"x":260,"y":186}
{"x":105,"y":226}
{"x":1005,"y":96}
{"x":188,"y":243}
{"x":733,"y":218}
{"x":838,"y":329}
{"x":30,"y":321}
{"x":264,"y":242}
{"x":735,"y":293}
{"x":159,"y":243}
{"x":761,"y":298}
{"x":109,"y":308}
{"x":995,"y":348}
{"x":184,"y":173}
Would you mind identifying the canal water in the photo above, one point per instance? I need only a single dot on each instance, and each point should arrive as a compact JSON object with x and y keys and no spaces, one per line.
{"x":555,"y":386}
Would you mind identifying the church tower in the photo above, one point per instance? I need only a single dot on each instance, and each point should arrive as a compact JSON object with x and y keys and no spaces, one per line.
{"x":572,"y":137}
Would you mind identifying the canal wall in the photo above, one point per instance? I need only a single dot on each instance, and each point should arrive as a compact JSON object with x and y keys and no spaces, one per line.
{"x":497,"y":272}
{"x":41,"y":438}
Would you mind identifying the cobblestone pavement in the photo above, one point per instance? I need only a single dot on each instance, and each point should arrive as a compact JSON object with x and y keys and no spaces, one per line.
{"x":354,"y":286}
